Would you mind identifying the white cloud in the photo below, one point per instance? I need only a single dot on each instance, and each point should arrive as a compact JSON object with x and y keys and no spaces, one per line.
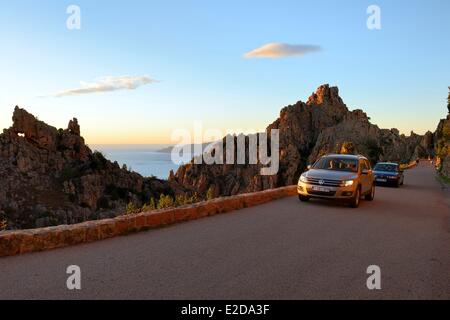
{"x":281,"y":50}
{"x":107,"y":84}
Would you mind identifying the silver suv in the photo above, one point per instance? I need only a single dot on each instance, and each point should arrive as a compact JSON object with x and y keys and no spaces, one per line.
{"x":338,"y":176}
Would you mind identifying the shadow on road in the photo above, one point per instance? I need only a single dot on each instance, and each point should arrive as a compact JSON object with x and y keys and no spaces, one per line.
{"x":405,"y":187}
{"x":332,"y":203}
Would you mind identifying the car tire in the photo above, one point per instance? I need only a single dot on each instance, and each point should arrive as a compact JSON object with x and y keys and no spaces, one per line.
{"x":398,"y":184}
{"x":354,"y":203}
{"x":303,"y":198}
{"x":371,"y":195}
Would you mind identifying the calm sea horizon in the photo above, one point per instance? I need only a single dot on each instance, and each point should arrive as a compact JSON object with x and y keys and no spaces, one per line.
{"x":143,"y":159}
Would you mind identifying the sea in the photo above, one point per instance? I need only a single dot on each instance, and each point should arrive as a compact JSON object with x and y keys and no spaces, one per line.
{"x":147,"y":160}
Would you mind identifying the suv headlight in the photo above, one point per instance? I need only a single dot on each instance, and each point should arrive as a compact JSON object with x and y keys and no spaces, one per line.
{"x":347,"y":183}
{"x":303,"y":179}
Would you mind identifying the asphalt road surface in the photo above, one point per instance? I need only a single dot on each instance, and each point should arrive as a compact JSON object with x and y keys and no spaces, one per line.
{"x":281,"y":250}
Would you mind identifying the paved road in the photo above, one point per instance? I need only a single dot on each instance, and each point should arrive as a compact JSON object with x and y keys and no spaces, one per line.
{"x":281,"y":250}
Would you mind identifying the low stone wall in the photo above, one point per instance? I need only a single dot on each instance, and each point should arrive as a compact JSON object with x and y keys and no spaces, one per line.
{"x":25,"y":241}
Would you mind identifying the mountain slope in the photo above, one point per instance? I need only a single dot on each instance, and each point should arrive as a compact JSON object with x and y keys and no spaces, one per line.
{"x":51,"y":177}
{"x":308,"y":130}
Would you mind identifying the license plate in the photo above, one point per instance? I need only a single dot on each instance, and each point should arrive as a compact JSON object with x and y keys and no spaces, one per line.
{"x":382,"y":180}
{"x":320,"y":189}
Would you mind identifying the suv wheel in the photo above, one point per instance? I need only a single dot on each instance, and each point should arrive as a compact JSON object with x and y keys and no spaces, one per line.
{"x":303,"y":198}
{"x":371,"y":195}
{"x":356,"y":198}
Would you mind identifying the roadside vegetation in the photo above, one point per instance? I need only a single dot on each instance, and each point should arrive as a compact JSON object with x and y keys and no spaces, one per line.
{"x":442,"y":146}
{"x":167,"y":201}
{"x":443,"y":179}
{"x":3,"y":225}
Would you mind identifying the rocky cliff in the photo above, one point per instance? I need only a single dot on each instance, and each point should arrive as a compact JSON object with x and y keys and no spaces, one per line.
{"x":308,"y":130}
{"x":442,"y":143}
{"x":51,"y":177}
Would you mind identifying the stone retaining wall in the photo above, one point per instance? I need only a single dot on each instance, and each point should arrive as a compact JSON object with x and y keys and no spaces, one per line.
{"x":25,"y":241}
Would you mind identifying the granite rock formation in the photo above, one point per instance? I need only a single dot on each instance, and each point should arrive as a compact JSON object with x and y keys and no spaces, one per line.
{"x":51,"y":177}
{"x":442,"y":143}
{"x":308,"y":130}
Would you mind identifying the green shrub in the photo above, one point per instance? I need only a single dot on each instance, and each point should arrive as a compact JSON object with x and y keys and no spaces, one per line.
{"x":210,"y":194}
{"x":165,"y":202}
{"x":184,"y":199}
{"x":181,"y":200}
{"x":3,"y":224}
{"x":150,"y":206}
{"x":131,"y":209}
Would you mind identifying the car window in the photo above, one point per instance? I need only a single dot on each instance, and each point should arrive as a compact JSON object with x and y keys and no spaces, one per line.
{"x":386,"y":167}
{"x":336,"y":164}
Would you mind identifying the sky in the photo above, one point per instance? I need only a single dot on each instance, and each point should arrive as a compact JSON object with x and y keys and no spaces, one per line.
{"x":136,"y":71}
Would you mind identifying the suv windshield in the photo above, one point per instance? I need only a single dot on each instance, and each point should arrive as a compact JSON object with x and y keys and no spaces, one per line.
{"x":337,"y":164}
{"x":386,"y":167}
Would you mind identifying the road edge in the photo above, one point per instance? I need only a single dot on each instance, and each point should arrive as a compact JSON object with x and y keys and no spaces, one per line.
{"x":35,"y":240}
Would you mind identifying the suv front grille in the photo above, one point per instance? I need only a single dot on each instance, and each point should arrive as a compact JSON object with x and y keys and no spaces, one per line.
{"x":324,"y":182}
